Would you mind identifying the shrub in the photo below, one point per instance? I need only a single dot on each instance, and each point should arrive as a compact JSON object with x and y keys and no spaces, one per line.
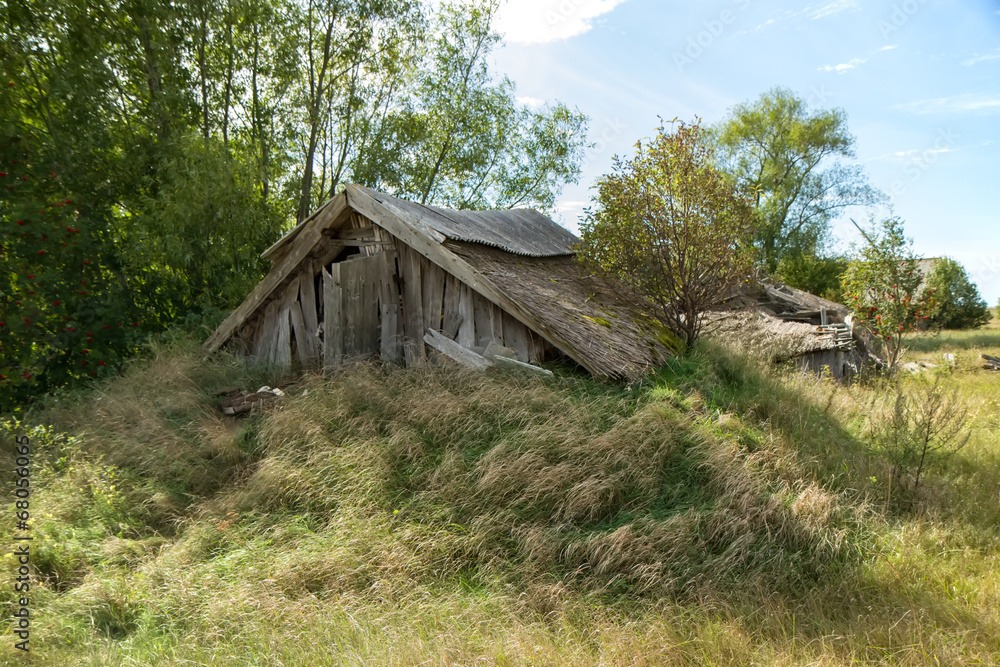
{"x":957,"y":303}
{"x":919,"y":429}
{"x":671,"y":230}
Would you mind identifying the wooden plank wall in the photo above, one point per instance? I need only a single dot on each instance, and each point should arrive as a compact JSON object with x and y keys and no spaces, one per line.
{"x":379,"y":300}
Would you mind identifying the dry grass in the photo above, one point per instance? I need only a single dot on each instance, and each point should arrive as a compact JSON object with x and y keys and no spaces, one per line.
{"x":718,"y":513}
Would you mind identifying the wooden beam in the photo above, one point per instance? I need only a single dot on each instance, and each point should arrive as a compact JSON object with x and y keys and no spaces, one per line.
{"x":306,"y":240}
{"x":429,"y":244}
{"x":515,"y":365}
{"x":456,"y":352}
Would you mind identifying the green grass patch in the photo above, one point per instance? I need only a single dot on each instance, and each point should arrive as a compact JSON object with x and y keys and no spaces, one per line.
{"x":717,"y":512}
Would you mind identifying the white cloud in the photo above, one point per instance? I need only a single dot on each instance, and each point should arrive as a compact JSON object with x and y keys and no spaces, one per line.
{"x":833,"y":8}
{"x":914,"y":152}
{"x":843,"y":67}
{"x":968,"y":103}
{"x":995,"y":55}
{"x":543,"y":21}
{"x":889,"y":47}
{"x":532,"y":102}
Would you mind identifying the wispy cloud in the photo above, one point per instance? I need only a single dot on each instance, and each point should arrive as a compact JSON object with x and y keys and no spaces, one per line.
{"x":831,"y":9}
{"x":532,"y":102}
{"x":843,"y":68}
{"x":914,"y":152}
{"x":967,"y":103}
{"x":543,"y":21}
{"x":889,"y":47}
{"x":982,"y":58}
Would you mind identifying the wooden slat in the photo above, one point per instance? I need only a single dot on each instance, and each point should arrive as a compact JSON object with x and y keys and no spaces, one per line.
{"x":351,"y":305}
{"x":304,"y":243}
{"x":391,"y":339}
{"x":456,"y":352}
{"x":452,"y":296}
{"x":496,"y":322}
{"x":536,"y":347}
{"x":333,"y":332}
{"x":429,"y":243}
{"x":303,"y":346}
{"x":368,"y":323}
{"x":307,"y":297}
{"x":484,"y":326}
{"x":515,"y":365}
{"x":413,"y":306}
{"x":467,"y":329}
{"x":385,"y":238}
{"x":515,"y":336}
{"x":433,"y":278}
{"x":283,"y":344}
{"x":266,"y":332}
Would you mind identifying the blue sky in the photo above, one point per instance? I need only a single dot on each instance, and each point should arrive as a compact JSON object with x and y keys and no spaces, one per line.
{"x":919,"y":80}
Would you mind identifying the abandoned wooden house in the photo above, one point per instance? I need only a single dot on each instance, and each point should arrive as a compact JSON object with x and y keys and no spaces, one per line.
{"x":371,"y":275}
{"x":789,"y":324}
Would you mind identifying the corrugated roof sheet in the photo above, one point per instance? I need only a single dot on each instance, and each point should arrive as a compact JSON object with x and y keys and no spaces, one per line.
{"x":520,"y":231}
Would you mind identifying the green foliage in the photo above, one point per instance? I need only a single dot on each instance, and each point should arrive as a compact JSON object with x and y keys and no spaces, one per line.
{"x":957,"y":302}
{"x":461,"y":139}
{"x":63,"y":315}
{"x":671,"y":230}
{"x":882,"y":287}
{"x":818,"y":275}
{"x":790,"y":158}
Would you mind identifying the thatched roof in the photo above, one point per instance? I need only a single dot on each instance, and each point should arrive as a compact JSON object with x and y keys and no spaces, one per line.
{"x":519,"y":260}
{"x":580,"y":308}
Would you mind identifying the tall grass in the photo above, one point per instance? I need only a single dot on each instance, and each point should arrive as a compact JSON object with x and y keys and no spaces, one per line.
{"x":718,"y":512}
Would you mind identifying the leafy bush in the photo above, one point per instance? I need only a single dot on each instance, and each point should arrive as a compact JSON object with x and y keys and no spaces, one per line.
{"x":671,"y":230}
{"x":957,"y":302}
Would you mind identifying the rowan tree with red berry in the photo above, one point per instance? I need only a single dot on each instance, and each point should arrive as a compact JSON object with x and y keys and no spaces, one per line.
{"x":882,"y":287}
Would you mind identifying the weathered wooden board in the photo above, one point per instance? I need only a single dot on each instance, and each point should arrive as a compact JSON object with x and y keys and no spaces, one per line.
{"x":283,"y":343}
{"x":467,"y":329}
{"x":483,"y":315}
{"x":269,"y":332}
{"x":391,"y":339}
{"x":433,"y":278}
{"x":333,"y":332}
{"x":515,"y":365}
{"x":369,"y":270}
{"x":303,"y":350}
{"x":515,"y":336}
{"x":452,"y":297}
{"x":310,"y":308}
{"x":537,"y":347}
{"x":456,"y":352}
{"x":413,"y":306}
{"x":352,"y":309}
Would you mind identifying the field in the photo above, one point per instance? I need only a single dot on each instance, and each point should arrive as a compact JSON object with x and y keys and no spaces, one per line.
{"x":720,"y":512}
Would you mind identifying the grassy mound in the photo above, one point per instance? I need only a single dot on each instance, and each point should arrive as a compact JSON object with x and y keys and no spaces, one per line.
{"x":717,"y":512}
